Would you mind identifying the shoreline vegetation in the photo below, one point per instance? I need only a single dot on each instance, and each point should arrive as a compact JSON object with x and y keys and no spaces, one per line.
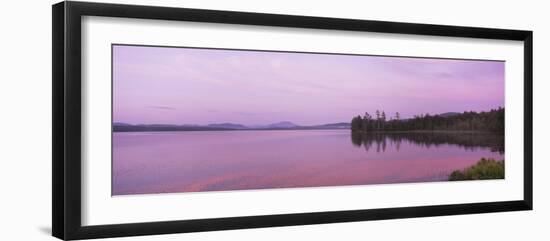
{"x":492,"y":121}
{"x":484,"y":169}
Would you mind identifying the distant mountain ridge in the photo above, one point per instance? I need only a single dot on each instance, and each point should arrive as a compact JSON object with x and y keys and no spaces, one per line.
{"x":282,"y":125}
{"x":121,"y":124}
{"x":228,"y":125}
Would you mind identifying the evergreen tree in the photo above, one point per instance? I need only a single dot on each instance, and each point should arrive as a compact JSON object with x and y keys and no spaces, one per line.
{"x":378,"y":120}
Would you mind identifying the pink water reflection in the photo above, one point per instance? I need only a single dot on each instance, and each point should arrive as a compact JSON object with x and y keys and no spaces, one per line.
{"x":163,"y":162}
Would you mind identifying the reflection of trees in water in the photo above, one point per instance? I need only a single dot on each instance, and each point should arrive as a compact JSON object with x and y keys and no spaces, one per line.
{"x":467,"y":140}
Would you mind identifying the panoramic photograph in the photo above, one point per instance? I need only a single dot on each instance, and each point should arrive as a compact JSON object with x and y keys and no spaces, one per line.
{"x":202,"y":119}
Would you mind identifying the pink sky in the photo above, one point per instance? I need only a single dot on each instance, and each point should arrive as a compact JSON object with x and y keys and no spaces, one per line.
{"x":202,"y":86}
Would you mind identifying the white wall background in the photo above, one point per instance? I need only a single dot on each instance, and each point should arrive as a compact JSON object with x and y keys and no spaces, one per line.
{"x":25,"y":102}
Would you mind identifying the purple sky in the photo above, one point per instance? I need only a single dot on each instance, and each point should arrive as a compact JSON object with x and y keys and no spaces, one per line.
{"x":201,"y":86}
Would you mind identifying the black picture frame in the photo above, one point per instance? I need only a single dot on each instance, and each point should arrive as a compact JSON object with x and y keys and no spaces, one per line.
{"x":66,"y":158}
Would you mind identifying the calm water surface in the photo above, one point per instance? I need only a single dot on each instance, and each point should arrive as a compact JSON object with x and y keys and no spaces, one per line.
{"x":159,"y":162}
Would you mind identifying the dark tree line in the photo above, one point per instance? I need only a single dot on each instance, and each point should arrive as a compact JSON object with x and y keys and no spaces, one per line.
{"x":492,"y":120}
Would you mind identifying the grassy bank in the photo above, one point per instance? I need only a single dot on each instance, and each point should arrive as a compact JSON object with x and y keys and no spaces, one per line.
{"x":482,"y":170}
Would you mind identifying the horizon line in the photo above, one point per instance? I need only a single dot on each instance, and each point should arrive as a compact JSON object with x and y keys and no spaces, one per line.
{"x":324,"y":123}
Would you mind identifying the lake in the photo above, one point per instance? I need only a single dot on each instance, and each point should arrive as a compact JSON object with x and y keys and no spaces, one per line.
{"x":194,"y":161}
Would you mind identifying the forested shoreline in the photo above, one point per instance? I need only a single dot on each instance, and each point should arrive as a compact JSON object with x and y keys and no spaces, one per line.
{"x":492,"y":120}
